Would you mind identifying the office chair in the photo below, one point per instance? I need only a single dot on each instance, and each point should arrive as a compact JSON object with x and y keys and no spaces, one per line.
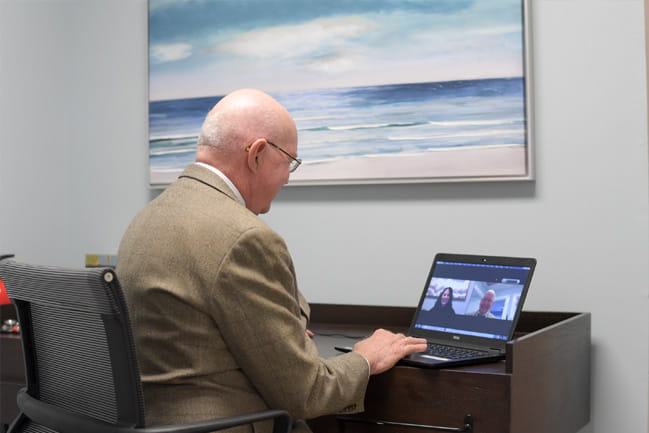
{"x":81,"y":367}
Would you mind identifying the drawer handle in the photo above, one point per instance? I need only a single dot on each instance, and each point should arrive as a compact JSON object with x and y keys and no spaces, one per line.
{"x":467,"y":427}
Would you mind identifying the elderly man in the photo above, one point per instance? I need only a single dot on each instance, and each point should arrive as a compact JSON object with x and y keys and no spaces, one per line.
{"x":219,"y":323}
{"x":485,"y":305}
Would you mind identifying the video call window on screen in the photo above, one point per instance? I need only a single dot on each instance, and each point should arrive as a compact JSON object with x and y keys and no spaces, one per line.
{"x":471,"y":299}
{"x":467,"y":295}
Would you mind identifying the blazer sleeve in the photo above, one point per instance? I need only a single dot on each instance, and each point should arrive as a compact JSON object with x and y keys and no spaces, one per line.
{"x":256,"y":305}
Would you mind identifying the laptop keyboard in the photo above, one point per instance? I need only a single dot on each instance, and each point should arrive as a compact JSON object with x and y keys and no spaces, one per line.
{"x":450,"y":352}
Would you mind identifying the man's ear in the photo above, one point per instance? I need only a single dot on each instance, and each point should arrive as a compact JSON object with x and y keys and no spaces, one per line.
{"x":255,"y":151}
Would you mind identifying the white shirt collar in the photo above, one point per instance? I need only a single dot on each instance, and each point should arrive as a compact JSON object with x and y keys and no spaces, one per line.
{"x":220,"y":174}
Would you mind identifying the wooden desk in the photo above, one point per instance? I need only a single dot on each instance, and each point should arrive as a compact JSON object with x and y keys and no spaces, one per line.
{"x":543,"y":386}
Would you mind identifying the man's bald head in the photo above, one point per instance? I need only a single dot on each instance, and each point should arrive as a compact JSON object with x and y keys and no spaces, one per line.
{"x":246,"y":136}
{"x":238,"y":119}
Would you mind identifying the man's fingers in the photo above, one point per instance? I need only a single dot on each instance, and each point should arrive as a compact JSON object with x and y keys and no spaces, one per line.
{"x":413,"y":345}
{"x":384,"y":349}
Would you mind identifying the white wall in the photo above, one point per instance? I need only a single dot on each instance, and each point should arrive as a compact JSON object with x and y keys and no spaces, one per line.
{"x":73,"y":107}
{"x":73,"y":172}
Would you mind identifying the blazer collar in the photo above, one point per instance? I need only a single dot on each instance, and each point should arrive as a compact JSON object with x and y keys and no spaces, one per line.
{"x":209,"y":178}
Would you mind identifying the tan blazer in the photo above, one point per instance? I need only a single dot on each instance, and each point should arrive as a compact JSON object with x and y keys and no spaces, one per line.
{"x":218,"y":320}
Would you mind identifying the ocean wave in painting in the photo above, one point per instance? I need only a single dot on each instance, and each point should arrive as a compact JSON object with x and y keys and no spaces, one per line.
{"x":365,"y":121}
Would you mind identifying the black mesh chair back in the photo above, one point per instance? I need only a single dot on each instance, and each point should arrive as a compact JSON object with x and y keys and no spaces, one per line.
{"x":80,"y":362}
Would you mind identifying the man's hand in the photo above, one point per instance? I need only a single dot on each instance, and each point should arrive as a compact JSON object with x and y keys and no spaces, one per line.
{"x":384,"y":348}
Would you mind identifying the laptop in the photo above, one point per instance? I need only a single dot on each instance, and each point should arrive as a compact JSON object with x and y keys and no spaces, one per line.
{"x":469,"y":309}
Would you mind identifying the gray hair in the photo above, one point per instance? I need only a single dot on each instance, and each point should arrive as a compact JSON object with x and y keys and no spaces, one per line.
{"x":217,"y":133}
{"x":226,"y":131}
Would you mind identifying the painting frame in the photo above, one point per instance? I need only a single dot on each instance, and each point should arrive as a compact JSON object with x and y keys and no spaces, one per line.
{"x":393,"y":168}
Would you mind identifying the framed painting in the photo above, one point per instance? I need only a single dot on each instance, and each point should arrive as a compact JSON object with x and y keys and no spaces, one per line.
{"x":382,"y":91}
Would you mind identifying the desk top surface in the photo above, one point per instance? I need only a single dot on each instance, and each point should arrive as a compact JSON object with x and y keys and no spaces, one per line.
{"x":327,"y":337}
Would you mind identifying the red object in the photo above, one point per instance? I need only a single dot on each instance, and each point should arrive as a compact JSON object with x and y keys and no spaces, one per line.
{"x":4,"y":299}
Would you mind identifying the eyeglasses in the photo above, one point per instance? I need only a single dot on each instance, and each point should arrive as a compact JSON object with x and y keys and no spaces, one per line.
{"x":294,"y":163}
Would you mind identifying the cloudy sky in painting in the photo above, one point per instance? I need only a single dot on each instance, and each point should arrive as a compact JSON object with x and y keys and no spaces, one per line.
{"x":210,"y":47}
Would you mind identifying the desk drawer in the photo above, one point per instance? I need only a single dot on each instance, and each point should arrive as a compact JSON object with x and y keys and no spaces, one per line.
{"x":430,"y":397}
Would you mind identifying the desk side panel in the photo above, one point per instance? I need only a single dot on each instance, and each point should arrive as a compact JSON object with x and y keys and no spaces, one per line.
{"x":550,"y":371}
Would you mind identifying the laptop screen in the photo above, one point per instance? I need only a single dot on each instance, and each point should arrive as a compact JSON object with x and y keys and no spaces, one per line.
{"x":474,"y":296}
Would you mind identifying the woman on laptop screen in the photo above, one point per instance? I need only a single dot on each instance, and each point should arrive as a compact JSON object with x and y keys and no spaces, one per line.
{"x":444,"y":304}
